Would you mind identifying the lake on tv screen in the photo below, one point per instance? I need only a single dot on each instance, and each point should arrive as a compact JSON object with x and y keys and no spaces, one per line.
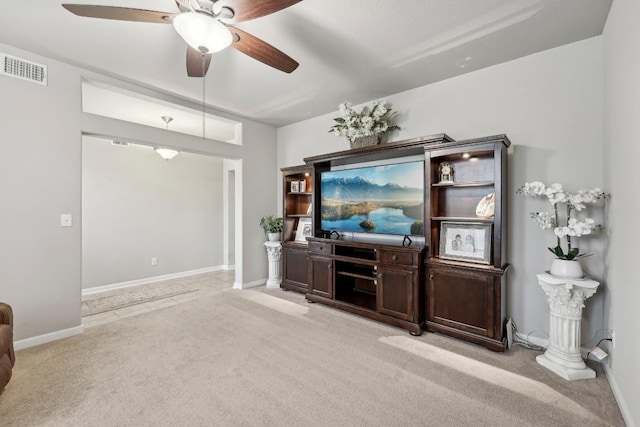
{"x":379,"y":199}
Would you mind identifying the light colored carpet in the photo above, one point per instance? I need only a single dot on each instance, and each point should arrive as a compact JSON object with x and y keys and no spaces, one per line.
{"x":265,"y":357}
{"x":132,"y":296}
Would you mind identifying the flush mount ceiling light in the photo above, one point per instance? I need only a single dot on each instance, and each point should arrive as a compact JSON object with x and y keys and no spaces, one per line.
{"x":202,"y":33}
{"x":167,"y":153}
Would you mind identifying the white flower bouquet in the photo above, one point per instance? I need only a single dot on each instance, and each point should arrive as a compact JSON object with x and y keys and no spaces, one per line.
{"x":370,"y":121}
{"x":570,"y":226}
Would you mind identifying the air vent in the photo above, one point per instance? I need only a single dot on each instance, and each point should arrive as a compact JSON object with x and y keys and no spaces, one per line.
{"x":21,"y":69}
{"x":119,"y":143}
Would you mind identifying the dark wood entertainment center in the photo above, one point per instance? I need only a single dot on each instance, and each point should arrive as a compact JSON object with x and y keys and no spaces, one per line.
{"x":421,"y":284}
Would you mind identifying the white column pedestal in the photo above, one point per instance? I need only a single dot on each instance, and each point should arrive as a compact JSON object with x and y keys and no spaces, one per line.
{"x":274,"y":252}
{"x":566,"y":299}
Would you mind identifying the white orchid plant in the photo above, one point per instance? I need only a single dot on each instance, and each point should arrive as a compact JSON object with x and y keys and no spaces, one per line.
{"x":571,"y":226}
{"x":370,"y":121}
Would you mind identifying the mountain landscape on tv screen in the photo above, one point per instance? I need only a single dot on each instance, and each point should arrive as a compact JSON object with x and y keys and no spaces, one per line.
{"x":355,"y":203}
{"x":360,"y":189}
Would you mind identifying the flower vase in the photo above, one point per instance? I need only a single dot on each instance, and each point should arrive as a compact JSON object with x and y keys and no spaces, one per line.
{"x":365,"y":141}
{"x":566,"y":268}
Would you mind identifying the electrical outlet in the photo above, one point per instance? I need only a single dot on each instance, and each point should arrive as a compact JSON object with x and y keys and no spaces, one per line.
{"x":154,"y":261}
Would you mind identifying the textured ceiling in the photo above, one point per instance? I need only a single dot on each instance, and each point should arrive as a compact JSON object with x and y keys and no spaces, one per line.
{"x":356,"y":50}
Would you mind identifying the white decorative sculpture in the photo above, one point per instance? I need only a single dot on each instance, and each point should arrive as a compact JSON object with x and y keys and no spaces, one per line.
{"x":274,"y":252}
{"x":566,"y":300}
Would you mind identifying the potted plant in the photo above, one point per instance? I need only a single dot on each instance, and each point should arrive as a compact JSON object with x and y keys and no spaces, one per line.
{"x":272,"y":226}
{"x":565,"y":224}
{"x":364,"y":127}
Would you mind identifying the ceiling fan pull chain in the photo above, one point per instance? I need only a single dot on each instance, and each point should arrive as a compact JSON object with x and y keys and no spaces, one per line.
{"x":203,"y":95}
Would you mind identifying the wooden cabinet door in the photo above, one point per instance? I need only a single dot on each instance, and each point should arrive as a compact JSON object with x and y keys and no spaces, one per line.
{"x":295,"y":269}
{"x":321,"y":276}
{"x":395,"y":292}
{"x":461,"y":299}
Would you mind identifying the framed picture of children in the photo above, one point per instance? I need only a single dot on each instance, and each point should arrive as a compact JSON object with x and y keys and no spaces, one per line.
{"x":304,"y":230}
{"x":465,"y":241}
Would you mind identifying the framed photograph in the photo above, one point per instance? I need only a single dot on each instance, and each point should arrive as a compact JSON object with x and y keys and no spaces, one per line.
{"x":295,"y":186}
{"x":302,"y":186}
{"x":304,"y":230}
{"x":466,"y":241}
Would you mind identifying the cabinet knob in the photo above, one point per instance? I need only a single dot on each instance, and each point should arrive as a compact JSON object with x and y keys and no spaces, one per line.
{"x":329,"y":266}
{"x":395,"y":257}
{"x":431,"y":277}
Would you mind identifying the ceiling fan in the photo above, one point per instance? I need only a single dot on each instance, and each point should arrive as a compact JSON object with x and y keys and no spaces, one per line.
{"x":204,"y":25}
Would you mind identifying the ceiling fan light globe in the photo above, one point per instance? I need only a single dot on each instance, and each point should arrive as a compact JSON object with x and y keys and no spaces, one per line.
{"x":202,"y":32}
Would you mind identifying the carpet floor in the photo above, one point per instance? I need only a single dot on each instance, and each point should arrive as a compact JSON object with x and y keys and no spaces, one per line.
{"x":132,"y":296}
{"x":265,"y":357}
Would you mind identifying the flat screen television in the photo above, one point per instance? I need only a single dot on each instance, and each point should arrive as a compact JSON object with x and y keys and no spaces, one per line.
{"x":384,"y":199}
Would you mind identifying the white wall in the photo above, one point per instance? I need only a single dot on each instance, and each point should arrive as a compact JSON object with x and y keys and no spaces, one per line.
{"x":550,"y":106}
{"x":40,"y":178}
{"x":136,"y":206}
{"x":621,"y":38}
{"x":258,"y":173}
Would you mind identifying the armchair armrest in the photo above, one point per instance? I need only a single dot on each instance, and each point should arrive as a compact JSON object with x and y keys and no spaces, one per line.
{"x":6,"y":318}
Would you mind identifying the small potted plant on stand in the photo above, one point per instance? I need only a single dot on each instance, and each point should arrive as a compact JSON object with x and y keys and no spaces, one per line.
{"x":272,"y":226}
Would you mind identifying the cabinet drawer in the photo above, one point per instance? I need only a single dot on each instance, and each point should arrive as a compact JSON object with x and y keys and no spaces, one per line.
{"x":393,"y":257}
{"x":320,"y":248}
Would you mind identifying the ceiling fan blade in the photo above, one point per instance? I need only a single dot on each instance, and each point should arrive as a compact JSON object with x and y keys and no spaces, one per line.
{"x":181,"y":6}
{"x":262,"y":51}
{"x":244,"y":10}
{"x":194,"y":62}
{"x":119,"y":13}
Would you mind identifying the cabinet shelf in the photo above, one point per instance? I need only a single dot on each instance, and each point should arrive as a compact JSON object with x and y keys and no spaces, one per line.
{"x":464,"y":184}
{"x":298,"y":215}
{"x":461,"y":219}
{"x":356,"y":275}
{"x":299,"y":193}
{"x":360,"y":299}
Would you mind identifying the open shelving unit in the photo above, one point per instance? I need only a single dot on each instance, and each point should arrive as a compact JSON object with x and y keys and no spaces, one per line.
{"x":297,"y":205}
{"x":466,"y":297}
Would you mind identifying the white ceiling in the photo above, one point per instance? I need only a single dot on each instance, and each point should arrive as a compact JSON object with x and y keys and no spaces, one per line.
{"x":355,"y":50}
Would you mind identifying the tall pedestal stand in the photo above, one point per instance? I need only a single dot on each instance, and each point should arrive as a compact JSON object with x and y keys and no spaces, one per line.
{"x":274,"y":254}
{"x":566,"y":300}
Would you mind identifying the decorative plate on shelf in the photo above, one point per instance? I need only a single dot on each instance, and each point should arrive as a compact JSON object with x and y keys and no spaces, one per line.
{"x":486,"y":207}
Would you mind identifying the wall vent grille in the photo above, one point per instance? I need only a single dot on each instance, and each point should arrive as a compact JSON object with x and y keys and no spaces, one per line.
{"x":21,"y":69}
{"x":119,"y":143}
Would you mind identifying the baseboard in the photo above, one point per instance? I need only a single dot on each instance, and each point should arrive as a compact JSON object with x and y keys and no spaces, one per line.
{"x":228,"y":267}
{"x":248,"y":285}
{"x":146,"y":280}
{"x":624,"y":409}
{"x":43,"y":339}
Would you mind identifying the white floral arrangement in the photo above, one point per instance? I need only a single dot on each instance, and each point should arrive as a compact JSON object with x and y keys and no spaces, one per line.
{"x":571,"y":226}
{"x":370,"y":121}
